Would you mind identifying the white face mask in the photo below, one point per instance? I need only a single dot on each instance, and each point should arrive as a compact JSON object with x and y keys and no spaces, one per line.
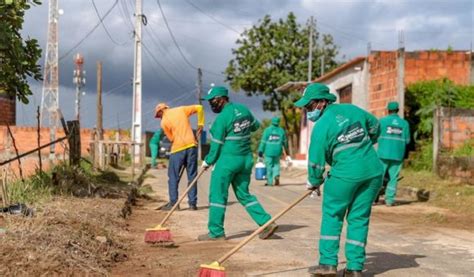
{"x":315,"y":114}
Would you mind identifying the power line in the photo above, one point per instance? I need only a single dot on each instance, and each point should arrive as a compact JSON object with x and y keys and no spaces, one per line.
{"x":105,"y":28}
{"x":212,"y":17}
{"x":162,"y":67}
{"x":90,"y":32}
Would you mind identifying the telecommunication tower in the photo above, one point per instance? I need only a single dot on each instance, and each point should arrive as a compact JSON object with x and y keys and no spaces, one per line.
{"x":79,"y":80}
{"x":50,"y":94}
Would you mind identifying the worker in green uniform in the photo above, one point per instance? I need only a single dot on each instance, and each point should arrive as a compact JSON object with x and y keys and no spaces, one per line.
{"x":395,"y":135}
{"x":155,"y":146}
{"x":271,"y":146}
{"x":231,"y":156}
{"x":343,"y":137}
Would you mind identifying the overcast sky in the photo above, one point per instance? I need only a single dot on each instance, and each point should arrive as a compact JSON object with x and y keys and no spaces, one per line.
{"x":206,"y":34}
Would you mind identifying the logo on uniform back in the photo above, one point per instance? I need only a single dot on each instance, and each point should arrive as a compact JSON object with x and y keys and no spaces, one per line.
{"x":353,"y":133}
{"x":241,"y":126}
{"x":393,"y":130}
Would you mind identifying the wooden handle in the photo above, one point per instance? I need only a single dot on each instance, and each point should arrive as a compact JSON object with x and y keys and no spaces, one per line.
{"x":190,"y":186}
{"x":259,"y":230}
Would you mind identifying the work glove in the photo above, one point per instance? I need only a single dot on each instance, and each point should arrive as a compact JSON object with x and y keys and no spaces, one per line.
{"x":204,"y":165}
{"x":288,"y":161}
{"x":315,"y":188}
{"x":260,"y":154}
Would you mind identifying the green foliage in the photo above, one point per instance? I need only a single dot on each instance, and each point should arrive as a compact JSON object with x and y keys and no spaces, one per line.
{"x":272,"y":53}
{"x":18,"y":57}
{"x":422,"y":98}
{"x":466,"y":150}
{"x":35,"y":189}
{"x":422,"y":158}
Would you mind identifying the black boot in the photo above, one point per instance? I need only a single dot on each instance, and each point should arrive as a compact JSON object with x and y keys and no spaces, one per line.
{"x":323,"y":270}
{"x":352,"y":273}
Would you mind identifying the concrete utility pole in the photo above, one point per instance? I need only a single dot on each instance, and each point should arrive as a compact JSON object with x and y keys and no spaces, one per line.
{"x":199,"y":95}
{"x":100,"y":131}
{"x":310,"y":56}
{"x":401,"y":73}
{"x":137,"y":84}
{"x":79,"y":80}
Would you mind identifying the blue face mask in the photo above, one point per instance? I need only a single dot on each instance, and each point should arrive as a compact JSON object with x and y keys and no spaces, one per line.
{"x":314,"y":115}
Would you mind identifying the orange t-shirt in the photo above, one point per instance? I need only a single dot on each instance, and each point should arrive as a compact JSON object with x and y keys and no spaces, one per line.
{"x":175,"y":123}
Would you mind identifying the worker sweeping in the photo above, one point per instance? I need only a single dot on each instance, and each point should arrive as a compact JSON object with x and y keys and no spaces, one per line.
{"x":155,"y":146}
{"x":176,"y":126}
{"x":395,"y":135}
{"x":271,"y":147}
{"x":231,"y":156}
{"x":343,"y":136}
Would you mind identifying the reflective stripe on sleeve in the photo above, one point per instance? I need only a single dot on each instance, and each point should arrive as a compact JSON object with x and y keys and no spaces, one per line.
{"x":391,"y":138}
{"x":237,"y":138}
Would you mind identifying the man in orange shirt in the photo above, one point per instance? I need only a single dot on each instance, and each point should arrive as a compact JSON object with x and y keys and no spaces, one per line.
{"x":176,"y":126}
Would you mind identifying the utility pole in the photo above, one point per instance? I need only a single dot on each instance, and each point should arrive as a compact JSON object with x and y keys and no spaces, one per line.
{"x":137,"y":84}
{"x":79,"y":80}
{"x":310,"y":56}
{"x":100,"y":133}
{"x":199,"y":93}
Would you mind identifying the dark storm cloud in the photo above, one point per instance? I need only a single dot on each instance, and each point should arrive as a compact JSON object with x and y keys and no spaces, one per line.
{"x":207,"y":43}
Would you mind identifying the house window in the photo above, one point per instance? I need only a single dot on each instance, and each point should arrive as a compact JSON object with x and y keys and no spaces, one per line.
{"x":345,"y":94}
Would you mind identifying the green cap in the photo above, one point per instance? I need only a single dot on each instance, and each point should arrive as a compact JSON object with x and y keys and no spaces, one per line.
{"x":216,"y":92}
{"x":392,"y":106}
{"x":276,"y":121}
{"x":315,"y":91}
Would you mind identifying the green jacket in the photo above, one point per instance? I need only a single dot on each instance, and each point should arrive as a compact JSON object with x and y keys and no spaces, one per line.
{"x":157,"y":136}
{"x":343,"y":137}
{"x":230,"y":132}
{"x":273,"y":139}
{"x":394,"y":137}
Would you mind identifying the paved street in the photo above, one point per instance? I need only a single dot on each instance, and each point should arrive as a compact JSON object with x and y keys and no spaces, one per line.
{"x":394,"y":248}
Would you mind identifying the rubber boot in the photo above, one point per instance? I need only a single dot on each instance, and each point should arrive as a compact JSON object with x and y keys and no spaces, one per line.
{"x":352,"y":273}
{"x":323,"y":270}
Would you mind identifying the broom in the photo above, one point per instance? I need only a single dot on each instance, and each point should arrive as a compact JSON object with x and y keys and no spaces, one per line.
{"x":160,"y":234}
{"x":216,"y":270}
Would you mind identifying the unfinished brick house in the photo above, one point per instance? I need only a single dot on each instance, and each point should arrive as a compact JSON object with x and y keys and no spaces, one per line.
{"x":373,"y":81}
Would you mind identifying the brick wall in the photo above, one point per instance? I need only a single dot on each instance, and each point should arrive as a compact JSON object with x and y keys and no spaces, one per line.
{"x":382,"y":80}
{"x":26,"y":140}
{"x":456,"y":126}
{"x":7,"y":110}
{"x":418,"y":66}
{"x":432,"y":65}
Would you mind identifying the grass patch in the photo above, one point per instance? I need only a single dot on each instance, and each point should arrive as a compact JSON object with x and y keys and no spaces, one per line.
{"x":458,"y":198}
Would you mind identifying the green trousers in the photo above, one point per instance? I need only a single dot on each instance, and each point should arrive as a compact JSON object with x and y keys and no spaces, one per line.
{"x":393,"y":168}
{"x":353,"y":200}
{"x":232,"y":170}
{"x":154,"y":153}
{"x":273,"y":168}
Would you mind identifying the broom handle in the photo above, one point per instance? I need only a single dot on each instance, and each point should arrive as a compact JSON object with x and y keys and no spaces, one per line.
{"x":256,"y":232}
{"x":190,"y":186}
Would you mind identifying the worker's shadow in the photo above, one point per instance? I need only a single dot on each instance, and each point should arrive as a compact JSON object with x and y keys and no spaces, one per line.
{"x":281,"y":229}
{"x":380,"y":262}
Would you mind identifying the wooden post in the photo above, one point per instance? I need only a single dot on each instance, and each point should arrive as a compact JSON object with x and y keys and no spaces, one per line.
{"x":38,"y":129}
{"x":4,"y":188}
{"x":100,"y":131}
{"x":16,"y":152}
{"x":436,"y":138}
{"x":74,"y":140}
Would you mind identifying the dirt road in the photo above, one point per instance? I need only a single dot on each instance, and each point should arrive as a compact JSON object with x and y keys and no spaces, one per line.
{"x":399,"y":243}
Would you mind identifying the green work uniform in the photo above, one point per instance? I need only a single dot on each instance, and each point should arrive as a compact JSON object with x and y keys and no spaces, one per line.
{"x":271,"y":145}
{"x":231,"y":156}
{"x":155,"y":146}
{"x":343,"y":137}
{"x":395,"y":135}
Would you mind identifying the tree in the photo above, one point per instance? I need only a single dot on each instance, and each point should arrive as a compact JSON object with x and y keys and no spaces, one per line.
{"x":272,"y":53}
{"x":18,"y":57}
